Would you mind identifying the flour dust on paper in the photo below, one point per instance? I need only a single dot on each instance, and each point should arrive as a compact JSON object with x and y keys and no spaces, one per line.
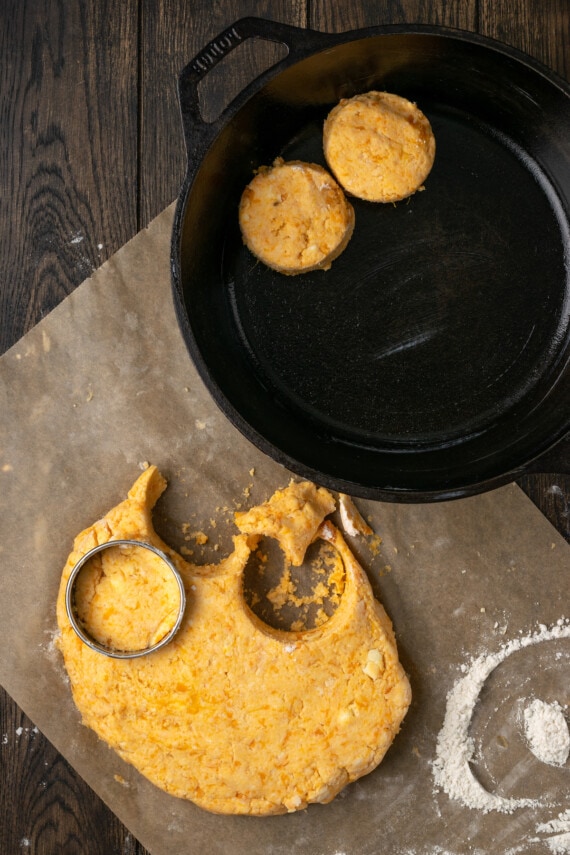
{"x":545,"y":729}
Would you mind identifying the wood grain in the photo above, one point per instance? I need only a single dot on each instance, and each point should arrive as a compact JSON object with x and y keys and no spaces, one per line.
{"x":336,"y":17}
{"x":91,"y":151}
{"x":69,"y":184}
{"x":541,"y":28}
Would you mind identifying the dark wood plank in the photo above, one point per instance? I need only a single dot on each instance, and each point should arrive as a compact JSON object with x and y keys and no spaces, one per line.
{"x":541,"y":28}
{"x":46,"y":807}
{"x":551,"y":494}
{"x":68,"y":169}
{"x":336,"y":17}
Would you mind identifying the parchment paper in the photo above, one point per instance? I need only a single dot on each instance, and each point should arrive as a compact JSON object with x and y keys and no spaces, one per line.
{"x":103,"y":384}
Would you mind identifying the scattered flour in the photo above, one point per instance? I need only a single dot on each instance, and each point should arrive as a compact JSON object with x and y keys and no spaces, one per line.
{"x":19,"y":731}
{"x":559,"y":828}
{"x":455,"y":748}
{"x":547,"y":732}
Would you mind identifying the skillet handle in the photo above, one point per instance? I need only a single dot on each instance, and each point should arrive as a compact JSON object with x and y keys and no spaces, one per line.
{"x":298,"y":41}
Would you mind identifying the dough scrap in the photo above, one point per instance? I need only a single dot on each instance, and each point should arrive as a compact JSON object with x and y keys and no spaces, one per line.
{"x":292,"y":516}
{"x":236,"y":716}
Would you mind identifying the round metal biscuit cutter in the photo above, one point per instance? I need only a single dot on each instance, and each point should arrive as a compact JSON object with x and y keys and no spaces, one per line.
{"x":86,"y":637}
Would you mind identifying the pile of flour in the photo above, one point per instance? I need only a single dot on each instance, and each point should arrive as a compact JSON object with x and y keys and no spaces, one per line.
{"x":455,"y":747}
{"x":547,"y":732}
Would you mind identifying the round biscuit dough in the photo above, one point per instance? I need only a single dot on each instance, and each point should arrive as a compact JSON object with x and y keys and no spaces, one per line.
{"x":294,"y":217}
{"x":379,"y":146}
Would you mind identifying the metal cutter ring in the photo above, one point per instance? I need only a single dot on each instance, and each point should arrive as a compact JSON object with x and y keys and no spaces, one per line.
{"x":80,"y":630}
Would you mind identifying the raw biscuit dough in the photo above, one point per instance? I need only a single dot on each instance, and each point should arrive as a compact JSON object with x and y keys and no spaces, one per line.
{"x":292,"y":516}
{"x":232,"y":714}
{"x":127,"y":598}
{"x":294,"y":217}
{"x":379,"y":146}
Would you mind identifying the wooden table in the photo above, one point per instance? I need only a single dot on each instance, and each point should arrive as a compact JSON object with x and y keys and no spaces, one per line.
{"x":91,"y":152}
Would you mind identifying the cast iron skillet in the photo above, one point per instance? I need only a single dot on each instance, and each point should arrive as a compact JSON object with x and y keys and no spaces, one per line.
{"x":432,"y":360}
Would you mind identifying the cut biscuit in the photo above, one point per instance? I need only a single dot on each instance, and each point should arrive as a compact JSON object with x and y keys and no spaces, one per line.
{"x":379,"y":146}
{"x":234,"y":715}
{"x":294,"y":217}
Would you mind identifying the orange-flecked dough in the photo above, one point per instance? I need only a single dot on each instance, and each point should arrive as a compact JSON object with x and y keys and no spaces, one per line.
{"x":127,"y":598}
{"x":379,"y":146}
{"x":292,"y":516}
{"x":232,"y":714}
{"x":294,"y":217}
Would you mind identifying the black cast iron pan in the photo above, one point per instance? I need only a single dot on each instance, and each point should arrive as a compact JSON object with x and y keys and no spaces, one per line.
{"x":432,"y":360}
